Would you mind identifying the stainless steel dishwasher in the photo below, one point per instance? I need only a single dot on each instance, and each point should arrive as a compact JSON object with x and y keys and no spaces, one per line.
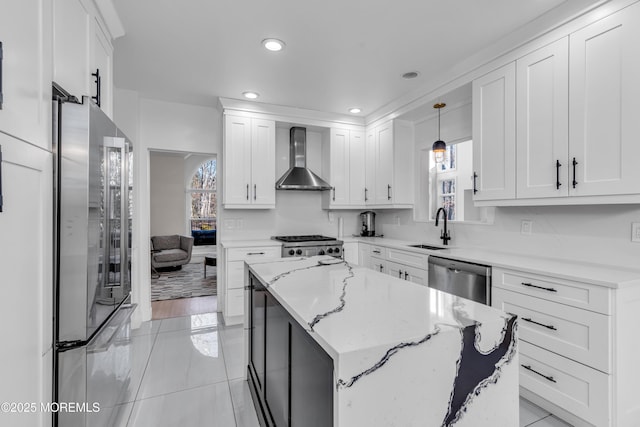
{"x":464,"y":279}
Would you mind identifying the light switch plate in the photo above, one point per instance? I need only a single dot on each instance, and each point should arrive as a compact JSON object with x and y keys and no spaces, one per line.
{"x":635,"y":232}
{"x":526,"y":226}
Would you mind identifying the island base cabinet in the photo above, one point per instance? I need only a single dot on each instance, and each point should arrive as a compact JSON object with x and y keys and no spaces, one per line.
{"x":290,"y":375}
{"x":311,"y":382}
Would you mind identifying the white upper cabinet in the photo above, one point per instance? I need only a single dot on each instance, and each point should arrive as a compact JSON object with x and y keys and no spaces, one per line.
{"x":604,"y":105}
{"x":345,"y":167}
{"x":249,"y":163}
{"x":389,"y":174}
{"x":71,"y":46}
{"x":82,"y":47}
{"x":494,"y":134}
{"x":542,"y":93}
{"x":26,"y":76}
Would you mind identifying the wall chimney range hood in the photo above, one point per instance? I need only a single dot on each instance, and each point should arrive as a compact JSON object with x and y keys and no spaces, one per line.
{"x":299,"y":177}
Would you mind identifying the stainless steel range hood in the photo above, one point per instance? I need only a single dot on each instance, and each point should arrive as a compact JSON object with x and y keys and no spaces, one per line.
{"x":299,"y":177}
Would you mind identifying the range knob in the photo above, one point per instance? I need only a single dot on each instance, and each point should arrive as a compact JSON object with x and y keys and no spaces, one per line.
{"x":330,"y":250}
{"x":291,"y":252}
{"x":321,"y":252}
{"x":299,"y":251}
{"x":337,"y":250}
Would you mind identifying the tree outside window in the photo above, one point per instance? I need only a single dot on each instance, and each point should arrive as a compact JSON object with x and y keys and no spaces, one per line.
{"x":202,"y":192}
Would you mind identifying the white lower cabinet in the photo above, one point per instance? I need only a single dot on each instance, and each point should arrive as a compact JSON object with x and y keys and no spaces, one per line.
{"x":350,"y":253}
{"x":578,"y":345}
{"x":404,"y":265}
{"x":232,"y":289}
{"x":405,"y":272}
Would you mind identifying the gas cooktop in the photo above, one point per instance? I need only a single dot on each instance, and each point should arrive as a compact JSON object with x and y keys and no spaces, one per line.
{"x":307,"y":238}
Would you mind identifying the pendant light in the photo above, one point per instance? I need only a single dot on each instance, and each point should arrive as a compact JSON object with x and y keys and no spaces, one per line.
{"x":439,"y":147}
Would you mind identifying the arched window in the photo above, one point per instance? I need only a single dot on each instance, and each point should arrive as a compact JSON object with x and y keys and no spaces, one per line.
{"x":202,"y":196}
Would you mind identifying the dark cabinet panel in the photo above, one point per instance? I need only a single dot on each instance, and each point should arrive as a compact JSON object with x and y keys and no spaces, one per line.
{"x":311,"y":382}
{"x":277,"y":362}
{"x":258,"y":324}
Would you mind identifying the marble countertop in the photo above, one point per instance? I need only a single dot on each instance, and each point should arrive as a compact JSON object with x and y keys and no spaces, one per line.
{"x":353,"y":308}
{"x":596,"y":274}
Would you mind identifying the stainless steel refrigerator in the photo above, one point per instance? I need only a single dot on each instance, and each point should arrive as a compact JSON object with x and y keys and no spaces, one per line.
{"x":93,"y":205}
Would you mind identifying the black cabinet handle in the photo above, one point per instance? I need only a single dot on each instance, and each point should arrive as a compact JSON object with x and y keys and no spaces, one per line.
{"x":526,"y":319}
{"x":574,"y":172}
{"x":255,"y":253}
{"x":475,"y":188}
{"x":547,"y":377}
{"x":366,"y":198}
{"x":558,"y":184}
{"x":388,"y":192}
{"x":98,"y":81}
{"x":334,"y":193}
{"x":538,"y":287}
{"x":255,"y":191}
{"x":381,"y":268}
{"x":1,"y":55}
{"x":406,"y":275}
{"x":400,"y":274}
{"x":247,"y":191}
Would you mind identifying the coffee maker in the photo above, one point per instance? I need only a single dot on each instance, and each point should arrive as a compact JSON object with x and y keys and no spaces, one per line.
{"x":368,"y":220}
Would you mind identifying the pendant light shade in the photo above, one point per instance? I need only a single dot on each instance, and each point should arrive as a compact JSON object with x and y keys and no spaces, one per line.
{"x":439,"y":147}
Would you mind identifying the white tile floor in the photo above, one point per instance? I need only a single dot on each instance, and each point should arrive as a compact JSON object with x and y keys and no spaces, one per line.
{"x":187,"y":372}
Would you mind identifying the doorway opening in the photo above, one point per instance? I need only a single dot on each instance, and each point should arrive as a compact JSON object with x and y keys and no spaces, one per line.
{"x":183,"y":226}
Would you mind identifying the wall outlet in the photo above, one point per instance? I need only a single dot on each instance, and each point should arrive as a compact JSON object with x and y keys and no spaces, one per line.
{"x":526,"y":226}
{"x":635,"y":232}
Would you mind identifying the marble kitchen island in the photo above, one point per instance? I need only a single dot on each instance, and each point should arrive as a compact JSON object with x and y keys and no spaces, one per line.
{"x":332,"y":344}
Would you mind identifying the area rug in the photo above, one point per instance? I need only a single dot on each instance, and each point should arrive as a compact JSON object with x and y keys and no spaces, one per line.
{"x":186,"y":283}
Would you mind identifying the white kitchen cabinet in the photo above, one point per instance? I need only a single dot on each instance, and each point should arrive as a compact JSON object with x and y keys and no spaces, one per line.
{"x":81,"y":47}
{"x":232,"y":285}
{"x":350,"y":253}
{"x":26,"y":75}
{"x":378,"y":264}
{"x":344,"y":165}
{"x":578,"y":345}
{"x":408,"y":273}
{"x":542,"y":93}
{"x":26,"y":248}
{"x":494,"y":134}
{"x":364,"y":255}
{"x":389,"y":165}
{"x":102,"y":65}
{"x":248,"y":163}
{"x":72,"y":21}
{"x":604,"y":103}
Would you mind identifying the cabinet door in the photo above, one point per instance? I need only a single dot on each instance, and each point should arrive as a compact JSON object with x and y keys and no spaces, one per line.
{"x":350,"y":253}
{"x":543,"y":122}
{"x":378,"y":265}
{"x":263,"y":162}
{"x":394,"y":269}
{"x":384,"y":164}
{"x":357,"y":173}
{"x":25,"y":227}
{"x":416,"y":275}
{"x":102,"y":61}
{"x":257,"y":330}
{"x":494,"y":134}
{"x":237,"y":160}
{"x":71,"y":35}
{"x":312,"y":383}
{"x":26,"y":79}
{"x":339,"y":166}
{"x":276,"y":391}
{"x":604,"y":101}
{"x":370,"y":167}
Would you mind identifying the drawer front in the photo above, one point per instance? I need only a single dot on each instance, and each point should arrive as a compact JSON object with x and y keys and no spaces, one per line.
{"x":408,"y":258}
{"x":235,"y":274}
{"x":576,"y":294}
{"x":378,"y":251}
{"x":578,"y":334}
{"x":576,"y":388}
{"x":235,"y":303}
{"x":241,"y":254}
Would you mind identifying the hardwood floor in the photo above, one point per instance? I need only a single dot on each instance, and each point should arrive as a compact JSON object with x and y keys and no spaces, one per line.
{"x":183,"y":307}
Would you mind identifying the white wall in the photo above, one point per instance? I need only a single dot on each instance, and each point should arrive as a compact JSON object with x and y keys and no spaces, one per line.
{"x":158,"y":125}
{"x":167,"y":193}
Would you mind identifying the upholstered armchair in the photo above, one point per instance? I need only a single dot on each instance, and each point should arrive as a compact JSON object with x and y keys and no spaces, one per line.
{"x":170,"y":251}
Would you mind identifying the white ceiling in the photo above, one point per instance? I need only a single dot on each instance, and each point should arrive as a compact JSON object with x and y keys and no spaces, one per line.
{"x":339,"y":53}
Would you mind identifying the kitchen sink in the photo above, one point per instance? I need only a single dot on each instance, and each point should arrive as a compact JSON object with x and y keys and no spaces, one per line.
{"x":433,"y":248}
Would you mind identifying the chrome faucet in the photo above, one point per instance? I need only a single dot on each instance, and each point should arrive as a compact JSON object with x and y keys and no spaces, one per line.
{"x":444,"y":234}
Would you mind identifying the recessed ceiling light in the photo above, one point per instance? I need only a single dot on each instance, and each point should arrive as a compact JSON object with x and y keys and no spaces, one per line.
{"x":410,"y":75}
{"x":274,"y":45}
{"x":251,"y":95}
{"x":354,"y":110}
